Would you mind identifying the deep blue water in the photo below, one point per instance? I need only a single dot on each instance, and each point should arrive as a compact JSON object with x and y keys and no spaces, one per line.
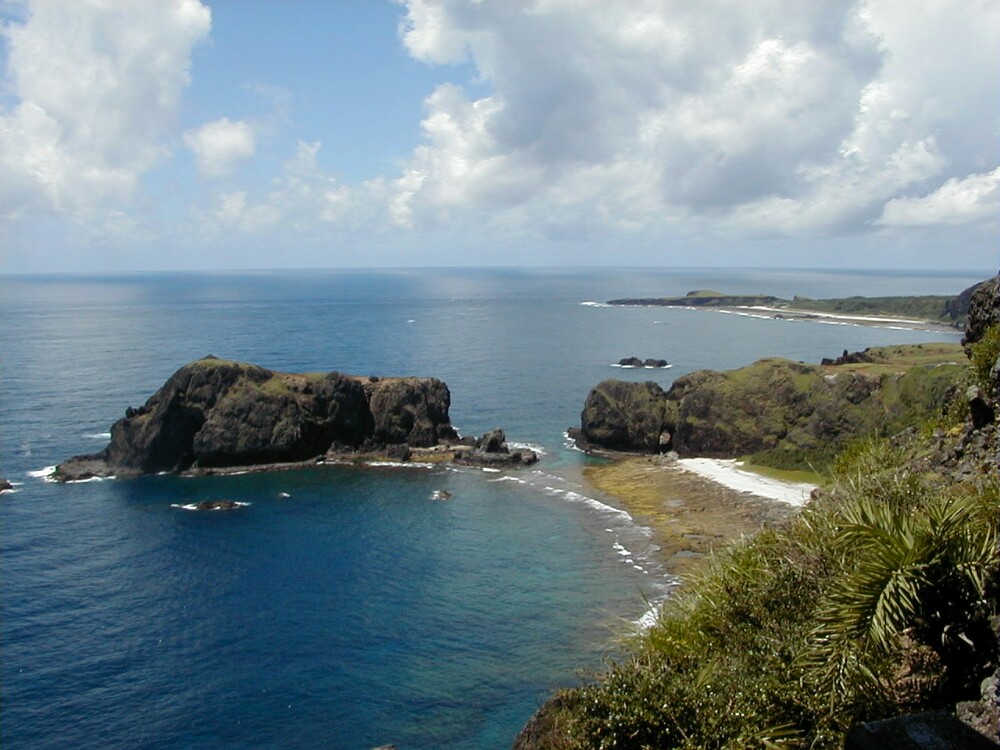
{"x":357,"y":610}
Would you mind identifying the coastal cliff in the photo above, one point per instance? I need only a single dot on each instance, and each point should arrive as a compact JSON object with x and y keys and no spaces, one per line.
{"x":788,"y":414}
{"x":879,"y":598}
{"x":215,"y":413}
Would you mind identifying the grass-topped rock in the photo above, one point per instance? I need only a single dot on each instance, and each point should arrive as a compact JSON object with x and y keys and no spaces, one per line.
{"x":216,"y":413}
{"x":785,"y":414}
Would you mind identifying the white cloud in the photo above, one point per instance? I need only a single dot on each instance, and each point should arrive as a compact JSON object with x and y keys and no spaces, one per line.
{"x":957,"y":201}
{"x":221,"y":146}
{"x":97,"y":85}
{"x":762,"y":118}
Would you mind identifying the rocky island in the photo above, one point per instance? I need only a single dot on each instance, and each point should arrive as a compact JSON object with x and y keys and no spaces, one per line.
{"x":216,"y":415}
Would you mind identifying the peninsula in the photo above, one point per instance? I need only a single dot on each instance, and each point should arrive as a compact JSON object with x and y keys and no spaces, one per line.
{"x":917,"y":311}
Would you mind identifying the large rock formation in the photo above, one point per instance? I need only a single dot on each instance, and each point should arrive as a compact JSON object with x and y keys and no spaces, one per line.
{"x":215,"y":413}
{"x":983,"y":309}
{"x":789,"y":413}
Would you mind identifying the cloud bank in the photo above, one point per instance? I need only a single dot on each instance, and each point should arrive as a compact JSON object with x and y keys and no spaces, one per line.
{"x":764,"y":118}
{"x":582,"y":119}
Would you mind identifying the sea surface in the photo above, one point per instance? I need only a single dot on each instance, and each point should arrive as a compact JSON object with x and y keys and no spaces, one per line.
{"x":341,"y":607}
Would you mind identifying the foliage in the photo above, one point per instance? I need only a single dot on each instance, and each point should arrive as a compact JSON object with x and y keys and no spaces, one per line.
{"x":984,"y":355}
{"x":876,"y":599}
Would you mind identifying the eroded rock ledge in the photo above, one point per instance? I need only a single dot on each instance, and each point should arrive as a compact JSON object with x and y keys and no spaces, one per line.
{"x":214,"y":414}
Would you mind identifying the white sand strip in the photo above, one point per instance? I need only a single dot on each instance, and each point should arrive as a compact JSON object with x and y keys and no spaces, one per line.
{"x":838,"y":316}
{"x":727,"y":473}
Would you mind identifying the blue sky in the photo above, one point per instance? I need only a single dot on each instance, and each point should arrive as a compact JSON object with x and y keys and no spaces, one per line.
{"x":202,"y":134}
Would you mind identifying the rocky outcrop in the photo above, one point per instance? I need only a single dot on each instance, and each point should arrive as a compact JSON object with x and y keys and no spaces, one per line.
{"x":648,"y":362}
{"x":5,"y":486}
{"x":790,"y":413}
{"x":983,"y":310}
{"x":625,"y":417}
{"x":492,"y":451}
{"x":214,"y":413}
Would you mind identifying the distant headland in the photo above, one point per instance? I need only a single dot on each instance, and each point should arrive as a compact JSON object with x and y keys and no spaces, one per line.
{"x":928,"y":311}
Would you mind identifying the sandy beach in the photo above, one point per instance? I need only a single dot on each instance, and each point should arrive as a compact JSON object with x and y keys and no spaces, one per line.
{"x":877,"y":321}
{"x":730,"y":473}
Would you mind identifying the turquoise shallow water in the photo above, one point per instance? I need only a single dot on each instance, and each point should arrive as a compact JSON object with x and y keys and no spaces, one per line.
{"x":357,"y":610}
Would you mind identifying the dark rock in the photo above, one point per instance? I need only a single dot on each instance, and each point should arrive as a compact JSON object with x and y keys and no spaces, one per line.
{"x":5,"y":486}
{"x":655,"y":363}
{"x":630,"y":362}
{"x":982,"y":715}
{"x":491,"y":451}
{"x":218,"y":505}
{"x":213,"y":413}
{"x":624,"y":416}
{"x":410,"y":410}
{"x":935,"y":730}
{"x":493,"y":442}
{"x":984,"y":310}
{"x":398,"y":452}
{"x":849,"y":358}
{"x":981,"y":410}
{"x":525,"y":456}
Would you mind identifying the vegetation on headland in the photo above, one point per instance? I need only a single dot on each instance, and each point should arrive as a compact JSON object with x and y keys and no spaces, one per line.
{"x":879,"y":598}
{"x":937,"y":309}
{"x":778,"y":413}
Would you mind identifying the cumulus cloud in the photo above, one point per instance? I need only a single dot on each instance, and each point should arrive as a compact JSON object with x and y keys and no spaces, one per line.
{"x":958,"y":201}
{"x":96,"y":86}
{"x":303,"y":199}
{"x":221,"y":146}
{"x":781,"y":117}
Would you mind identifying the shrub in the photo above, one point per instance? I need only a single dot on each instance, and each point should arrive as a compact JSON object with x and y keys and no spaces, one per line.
{"x":984,"y":355}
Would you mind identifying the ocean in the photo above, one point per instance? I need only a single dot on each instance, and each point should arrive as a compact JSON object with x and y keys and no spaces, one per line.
{"x":342,"y":607}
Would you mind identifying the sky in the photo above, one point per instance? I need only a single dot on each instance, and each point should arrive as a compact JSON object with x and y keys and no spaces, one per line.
{"x":255,"y":134}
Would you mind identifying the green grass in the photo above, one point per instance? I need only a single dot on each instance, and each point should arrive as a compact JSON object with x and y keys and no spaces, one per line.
{"x":785,"y":475}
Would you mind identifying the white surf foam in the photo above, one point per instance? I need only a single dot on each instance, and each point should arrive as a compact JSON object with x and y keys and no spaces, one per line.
{"x":98,"y":436}
{"x":194,"y":506}
{"x":570,"y":444}
{"x":527,"y":446}
{"x":590,"y":303}
{"x":87,"y":480}
{"x":47,"y":474}
{"x":508,"y":479}
{"x":399,"y":465}
{"x":283,"y":495}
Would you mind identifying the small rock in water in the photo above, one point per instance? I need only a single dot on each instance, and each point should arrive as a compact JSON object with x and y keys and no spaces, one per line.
{"x":218,"y":505}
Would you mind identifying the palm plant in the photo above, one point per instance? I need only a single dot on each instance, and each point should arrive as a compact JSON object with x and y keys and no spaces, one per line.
{"x":920,"y":571}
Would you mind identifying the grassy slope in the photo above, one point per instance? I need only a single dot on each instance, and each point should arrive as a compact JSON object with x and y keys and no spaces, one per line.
{"x":793,"y":636}
{"x":875,"y":601}
{"x":792,"y":416}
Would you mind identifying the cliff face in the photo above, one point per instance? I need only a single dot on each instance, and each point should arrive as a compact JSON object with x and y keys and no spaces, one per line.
{"x":792,"y":412}
{"x":983,"y":301}
{"x":215,"y":413}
